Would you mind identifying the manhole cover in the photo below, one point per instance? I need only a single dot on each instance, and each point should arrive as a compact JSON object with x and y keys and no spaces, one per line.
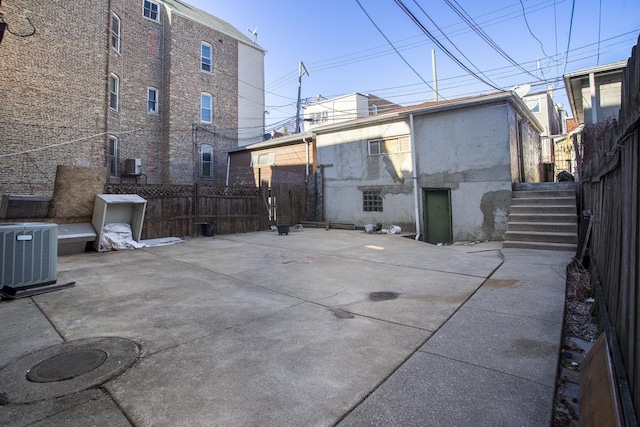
{"x":383,"y":296}
{"x":67,"y":365}
{"x":65,"y":369}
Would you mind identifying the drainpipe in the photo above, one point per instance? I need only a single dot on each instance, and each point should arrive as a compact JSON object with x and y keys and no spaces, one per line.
{"x":228,"y":167}
{"x":414,"y":158}
{"x":307,"y":155}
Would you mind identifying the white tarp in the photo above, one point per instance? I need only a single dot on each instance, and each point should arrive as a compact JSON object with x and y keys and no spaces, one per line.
{"x":117,"y":236}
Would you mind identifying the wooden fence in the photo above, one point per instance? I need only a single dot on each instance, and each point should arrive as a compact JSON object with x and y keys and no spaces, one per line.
{"x":181,"y":210}
{"x":610,"y":188}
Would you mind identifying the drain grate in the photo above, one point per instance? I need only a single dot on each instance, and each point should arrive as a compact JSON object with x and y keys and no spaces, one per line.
{"x":383,"y":296}
{"x":67,"y":365}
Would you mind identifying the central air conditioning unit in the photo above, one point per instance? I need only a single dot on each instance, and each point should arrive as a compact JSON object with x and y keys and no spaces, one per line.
{"x":29,"y":262}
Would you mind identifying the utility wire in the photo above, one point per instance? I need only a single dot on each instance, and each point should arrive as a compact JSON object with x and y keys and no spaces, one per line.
{"x":393,"y":46}
{"x":573,"y":8}
{"x":526,"y":21}
{"x":452,"y":43}
{"x":442,"y":47}
{"x":459,"y":10}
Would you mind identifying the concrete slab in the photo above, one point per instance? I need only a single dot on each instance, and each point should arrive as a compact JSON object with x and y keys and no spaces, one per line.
{"x":165,"y":305}
{"x":430,"y":390}
{"x":302,"y":366}
{"x":520,"y":346}
{"x":87,"y":408}
{"x":23,"y":329}
{"x":537,"y":292}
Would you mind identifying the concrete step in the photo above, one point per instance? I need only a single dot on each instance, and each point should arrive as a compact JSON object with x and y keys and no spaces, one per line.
{"x":541,"y":246}
{"x":545,"y":227}
{"x":547,"y":217}
{"x":543,"y":209}
{"x":544,"y":193}
{"x":568,"y":201}
{"x":540,"y":236}
{"x":538,"y":186}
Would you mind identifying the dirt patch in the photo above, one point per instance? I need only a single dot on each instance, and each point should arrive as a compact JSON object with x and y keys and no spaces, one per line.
{"x":578,"y":333}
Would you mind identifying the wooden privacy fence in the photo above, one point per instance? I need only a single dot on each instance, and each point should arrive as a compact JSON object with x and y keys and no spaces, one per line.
{"x":181,"y":210}
{"x":610,"y":185}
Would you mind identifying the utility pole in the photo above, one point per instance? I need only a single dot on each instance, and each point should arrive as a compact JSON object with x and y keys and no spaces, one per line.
{"x":435,"y":74}
{"x":300,"y":74}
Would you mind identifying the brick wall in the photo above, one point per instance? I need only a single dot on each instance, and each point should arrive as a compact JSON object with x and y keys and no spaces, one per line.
{"x":56,"y":84}
{"x":186,"y":133}
{"x":52,"y":86}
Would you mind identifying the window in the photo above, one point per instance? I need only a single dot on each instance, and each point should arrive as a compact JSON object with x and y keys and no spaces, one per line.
{"x":114,"y":88}
{"x":150,"y":10}
{"x":206,"y":108}
{"x":374,"y":110}
{"x":263,"y":159}
{"x":206,"y":161}
{"x":378,"y":147}
{"x":115,"y":32}
{"x":152,"y":100}
{"x":533,"y":104}
{"x":319,"y":117}
{"x":206,"y":57}
{"x":112,"y":156}
{"x":371,"y":200}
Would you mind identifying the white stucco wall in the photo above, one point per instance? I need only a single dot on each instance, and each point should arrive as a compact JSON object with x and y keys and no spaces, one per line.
{"x":465,"y":150}
{"x":251,"y":104}
{"x":353,"y":171}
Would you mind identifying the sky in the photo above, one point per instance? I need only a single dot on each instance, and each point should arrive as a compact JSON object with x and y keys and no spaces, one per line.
{"x":377,"y":47}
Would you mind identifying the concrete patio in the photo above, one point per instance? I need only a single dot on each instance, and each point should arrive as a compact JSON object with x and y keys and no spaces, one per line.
{"x":267,"y":329}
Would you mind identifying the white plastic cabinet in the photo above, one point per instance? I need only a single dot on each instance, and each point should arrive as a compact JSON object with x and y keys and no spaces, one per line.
{"x":121,"y":208}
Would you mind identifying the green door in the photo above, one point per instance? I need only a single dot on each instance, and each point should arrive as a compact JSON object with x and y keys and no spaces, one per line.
{"x":437,"y":216}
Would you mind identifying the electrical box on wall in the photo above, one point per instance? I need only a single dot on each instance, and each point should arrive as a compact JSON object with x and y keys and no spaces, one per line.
{"x":133,"y":167}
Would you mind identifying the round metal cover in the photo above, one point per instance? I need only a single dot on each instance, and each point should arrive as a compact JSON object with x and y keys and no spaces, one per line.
{"x":67,"y":365}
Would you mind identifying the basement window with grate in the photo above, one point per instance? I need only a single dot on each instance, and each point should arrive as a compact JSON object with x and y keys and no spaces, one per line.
{"x":372,"y":200}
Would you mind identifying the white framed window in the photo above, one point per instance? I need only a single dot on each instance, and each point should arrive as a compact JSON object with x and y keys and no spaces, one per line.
{"x":114,"y":91}
{"x":382,"y":146}
{"x":206,"y":57}
{"x":115,"y":32}
{"x":206,"y":108}
{"x":112,"y":156}
{"x":152,"y":100}
{"x":206,"y":161}
{"x":263,"y":159}
{"x":151,"y":10}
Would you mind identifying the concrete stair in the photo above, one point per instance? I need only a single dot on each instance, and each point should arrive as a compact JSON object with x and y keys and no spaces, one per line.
{"x":543,"y":216}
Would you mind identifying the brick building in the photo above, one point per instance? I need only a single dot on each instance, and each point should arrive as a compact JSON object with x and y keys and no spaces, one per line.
{"x":100,"y":82}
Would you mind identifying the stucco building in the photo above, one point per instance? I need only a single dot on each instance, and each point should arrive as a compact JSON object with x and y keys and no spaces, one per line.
{"x":441,"y":169}
{"x":151,"y":91}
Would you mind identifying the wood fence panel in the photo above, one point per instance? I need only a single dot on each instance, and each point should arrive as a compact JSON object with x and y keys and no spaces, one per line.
{"x":610,"y":184}
{"x":181,"y":210}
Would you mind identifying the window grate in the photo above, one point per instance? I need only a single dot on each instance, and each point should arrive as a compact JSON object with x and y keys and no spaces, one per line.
{"x":372,"y":200}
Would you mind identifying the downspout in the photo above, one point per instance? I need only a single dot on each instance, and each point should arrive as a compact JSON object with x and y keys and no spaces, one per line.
{"x":307,"y":157}
{"x":414,"y":158}
{"x":228,"y":167}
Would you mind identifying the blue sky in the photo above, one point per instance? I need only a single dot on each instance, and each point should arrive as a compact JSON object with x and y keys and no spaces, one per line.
{"x":344,"y":52}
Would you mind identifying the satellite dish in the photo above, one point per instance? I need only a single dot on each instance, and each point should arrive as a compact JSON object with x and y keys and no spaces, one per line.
{"x":521,"y":90}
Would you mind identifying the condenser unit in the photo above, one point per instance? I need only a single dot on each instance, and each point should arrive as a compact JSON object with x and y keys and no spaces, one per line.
{"x":29,"y":259}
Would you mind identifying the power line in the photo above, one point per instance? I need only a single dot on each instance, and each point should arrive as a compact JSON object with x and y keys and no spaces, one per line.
{"x":526,"y":21}
{"x":393,"y":46}
{"x":459,"y":10}
{"x":573,"y":8}
{"x":441,"y":46}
